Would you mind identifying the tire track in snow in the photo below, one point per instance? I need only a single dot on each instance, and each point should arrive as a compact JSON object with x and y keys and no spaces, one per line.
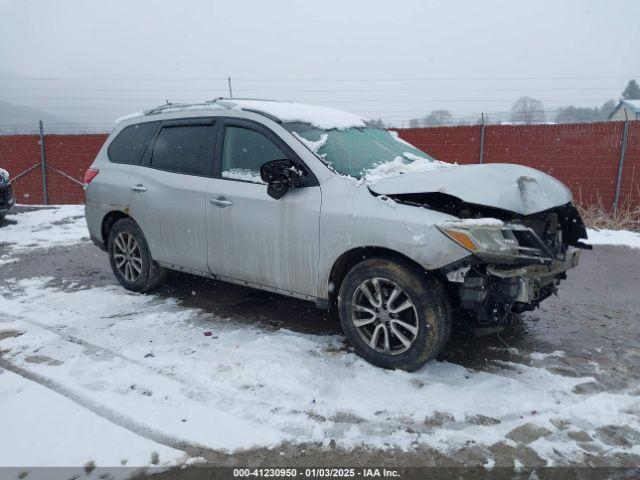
{"x":112,"y":416}
{"x":193,"y":391}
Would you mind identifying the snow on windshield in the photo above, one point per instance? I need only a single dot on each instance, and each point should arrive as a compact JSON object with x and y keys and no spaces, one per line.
{"x":320,"y":117}
{"x":399,"y":166}
{"x":363,"y":152}
{"x":314,"y":146}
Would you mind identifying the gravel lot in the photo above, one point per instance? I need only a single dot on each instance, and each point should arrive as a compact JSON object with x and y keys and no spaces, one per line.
{"x":579,"y":354}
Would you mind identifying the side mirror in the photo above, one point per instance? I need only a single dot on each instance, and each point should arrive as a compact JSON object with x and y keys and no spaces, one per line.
{"x":280,"y":176}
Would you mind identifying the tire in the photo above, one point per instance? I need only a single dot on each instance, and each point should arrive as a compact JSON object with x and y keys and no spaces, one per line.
{"x":428,"y":316}
{"x":150,"y":274}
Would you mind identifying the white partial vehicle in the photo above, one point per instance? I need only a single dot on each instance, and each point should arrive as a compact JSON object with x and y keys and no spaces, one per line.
{"x":313,"y":203}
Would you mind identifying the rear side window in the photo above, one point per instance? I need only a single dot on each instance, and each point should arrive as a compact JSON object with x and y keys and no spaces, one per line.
{"x":186,"y":149}
{"x":130,"y":144}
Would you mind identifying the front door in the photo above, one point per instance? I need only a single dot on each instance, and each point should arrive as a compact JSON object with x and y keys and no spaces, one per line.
{"x":252,"y":237}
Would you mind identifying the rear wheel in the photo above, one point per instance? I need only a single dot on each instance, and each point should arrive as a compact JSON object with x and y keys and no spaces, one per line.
{"x":393,"y":316}
{"x":130,"y":258}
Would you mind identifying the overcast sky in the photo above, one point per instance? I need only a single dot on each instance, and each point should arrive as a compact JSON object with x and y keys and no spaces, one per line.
{"x":92,"y":61}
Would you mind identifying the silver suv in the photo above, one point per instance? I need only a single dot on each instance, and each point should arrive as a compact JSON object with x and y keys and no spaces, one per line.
{"x":314,"y":203}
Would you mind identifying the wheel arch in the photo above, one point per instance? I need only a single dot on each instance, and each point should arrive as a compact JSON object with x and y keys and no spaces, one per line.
{"x":351,"y":258}
{"x":108,"y":221}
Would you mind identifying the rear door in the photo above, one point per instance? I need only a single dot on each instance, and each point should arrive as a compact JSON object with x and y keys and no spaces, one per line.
{"x":168,"y":191}
{"x":251,"y":236}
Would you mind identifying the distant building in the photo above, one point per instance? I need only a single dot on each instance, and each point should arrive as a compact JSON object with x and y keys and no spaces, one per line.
{"x":626,"y":109}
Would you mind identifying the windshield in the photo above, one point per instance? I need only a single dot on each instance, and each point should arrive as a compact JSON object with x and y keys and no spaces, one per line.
{"x":356,"y":151}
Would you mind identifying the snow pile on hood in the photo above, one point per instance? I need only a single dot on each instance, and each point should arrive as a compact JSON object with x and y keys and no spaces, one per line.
{"x":320,"y":117}
{"x":398,"y":166}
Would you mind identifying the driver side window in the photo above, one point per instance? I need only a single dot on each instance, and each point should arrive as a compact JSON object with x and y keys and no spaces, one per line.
{"x":244,"y":152}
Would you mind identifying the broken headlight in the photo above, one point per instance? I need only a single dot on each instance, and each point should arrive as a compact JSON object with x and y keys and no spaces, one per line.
{"x":489,"y":239}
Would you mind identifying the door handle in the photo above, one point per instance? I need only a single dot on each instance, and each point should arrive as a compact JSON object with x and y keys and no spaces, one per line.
{"x":220,"y":202}
{"x":139,"y":188}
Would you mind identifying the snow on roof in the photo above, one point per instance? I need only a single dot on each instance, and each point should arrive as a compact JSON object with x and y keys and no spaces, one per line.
{"x":320,"y":117}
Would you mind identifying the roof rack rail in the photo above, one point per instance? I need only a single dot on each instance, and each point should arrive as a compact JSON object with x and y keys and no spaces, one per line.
{"x":168,"y":105}
{"x":222,"y":101}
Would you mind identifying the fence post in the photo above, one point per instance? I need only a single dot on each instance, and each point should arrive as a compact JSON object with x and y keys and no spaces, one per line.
{"x":623,"y":149}
{"x":43,"y":166}
{"x":482,"y":125}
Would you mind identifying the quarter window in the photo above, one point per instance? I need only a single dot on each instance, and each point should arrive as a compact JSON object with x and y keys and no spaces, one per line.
{"x":130,"y":144}
{"x":186,"y":149}
{"x":245,"y":151}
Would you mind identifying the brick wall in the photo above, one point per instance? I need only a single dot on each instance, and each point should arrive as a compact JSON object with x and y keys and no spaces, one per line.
{"x":584,"y":156}
{"x":71,"y":154}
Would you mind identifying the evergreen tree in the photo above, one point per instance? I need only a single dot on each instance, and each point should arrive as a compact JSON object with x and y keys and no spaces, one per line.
{"x":632,"y":91}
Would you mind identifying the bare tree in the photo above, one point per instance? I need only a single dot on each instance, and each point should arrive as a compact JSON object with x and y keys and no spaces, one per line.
{"x":527,"y":110}
{"x":438,"y":117}
{"x":377,"y":123}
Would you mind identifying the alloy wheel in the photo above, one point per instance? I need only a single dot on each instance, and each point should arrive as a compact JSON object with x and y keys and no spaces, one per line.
{"x":384,"y":315}
{"x":127,"y":256}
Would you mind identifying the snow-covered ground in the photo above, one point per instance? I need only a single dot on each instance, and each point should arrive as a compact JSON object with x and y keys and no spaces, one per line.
{"x":121,"y":377}
{"x":42,"y":228}
{"x":147,"y":363}
{"x":614,"y":237}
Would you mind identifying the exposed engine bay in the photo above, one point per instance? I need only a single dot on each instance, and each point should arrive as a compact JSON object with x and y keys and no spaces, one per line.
{"x":491,"y":286}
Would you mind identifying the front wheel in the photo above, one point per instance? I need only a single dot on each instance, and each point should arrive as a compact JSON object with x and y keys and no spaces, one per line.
{"x":393,"y":316}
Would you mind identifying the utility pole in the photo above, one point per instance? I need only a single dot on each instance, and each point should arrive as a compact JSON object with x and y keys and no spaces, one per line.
{"x":43,"y":166}
{"x":623,"y":150}
{"x":230,"y":90}
{"x":482,"y":125}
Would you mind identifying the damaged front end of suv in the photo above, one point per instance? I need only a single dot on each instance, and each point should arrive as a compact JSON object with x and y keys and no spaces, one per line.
{"x":515,"y":263}
{"x":522,"y":239}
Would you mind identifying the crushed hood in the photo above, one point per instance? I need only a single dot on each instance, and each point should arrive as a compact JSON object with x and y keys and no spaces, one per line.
{"x":515,"y":188}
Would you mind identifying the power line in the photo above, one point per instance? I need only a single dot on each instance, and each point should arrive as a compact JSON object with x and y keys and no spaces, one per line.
{"x":317,"y":79}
